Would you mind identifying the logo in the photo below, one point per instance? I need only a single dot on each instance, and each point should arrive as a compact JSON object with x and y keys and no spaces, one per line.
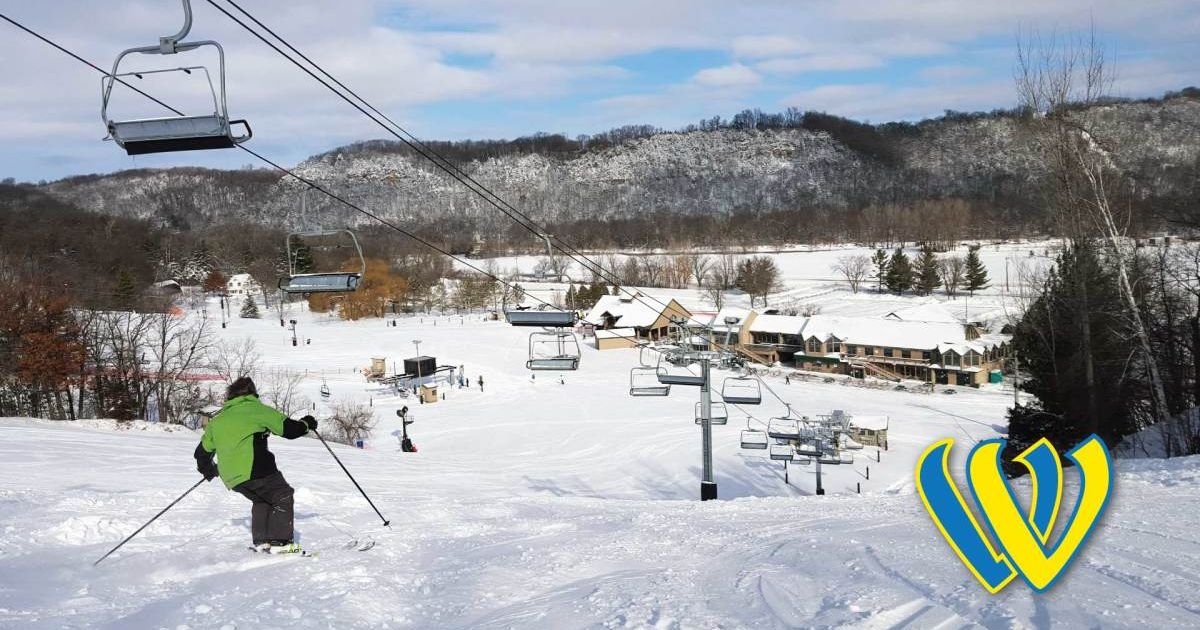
{"x":1020,"y":540}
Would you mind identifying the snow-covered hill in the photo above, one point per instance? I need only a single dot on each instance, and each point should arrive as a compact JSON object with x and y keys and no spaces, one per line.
{"x":983,"y":158}
{"x":535,"y":503}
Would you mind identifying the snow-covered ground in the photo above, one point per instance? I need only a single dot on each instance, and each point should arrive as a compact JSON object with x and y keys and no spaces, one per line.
{"x":549,"y":505}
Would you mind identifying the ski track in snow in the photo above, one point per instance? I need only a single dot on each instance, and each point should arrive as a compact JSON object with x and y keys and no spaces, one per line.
{"x":535,"y":504}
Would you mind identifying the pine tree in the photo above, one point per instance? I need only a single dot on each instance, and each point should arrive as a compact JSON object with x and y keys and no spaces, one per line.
{"x":977,"y":275}
{"x":249,"y":308}
{"x":899,"y":273}
{"x":880,"y":260}
{"x":927,"y":277}
{"x":126,"y":291}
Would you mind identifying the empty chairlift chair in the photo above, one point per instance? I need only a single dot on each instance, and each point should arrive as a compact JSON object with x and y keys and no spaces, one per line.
{"x":643,"y":381}
{"x":720,"y":413}
{"x":782,"y":452}
{"x":677,"y":376}
{"x":755,"y":440}
{"x":783,"y":429}
{"x":305,"y":282}
{"x":176,"y":132}
{"x":553,"y":350}
{"x":740,"y":390}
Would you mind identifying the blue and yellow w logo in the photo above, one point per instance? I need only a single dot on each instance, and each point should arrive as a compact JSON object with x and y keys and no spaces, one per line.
{"x":1022,"y":539}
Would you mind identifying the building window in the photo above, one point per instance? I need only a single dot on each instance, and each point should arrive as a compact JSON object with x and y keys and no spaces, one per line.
{"x":889,"y":352}
{"x":851,"y":349}
{"x":869,"y":350}
{"x":835,"y":346}
{"x":926,"y":356}
{"x":950,"y":358}
{"x":813,"y":345}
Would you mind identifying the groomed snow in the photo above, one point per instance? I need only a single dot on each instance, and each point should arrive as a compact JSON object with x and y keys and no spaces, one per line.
{"x":548,"y":505}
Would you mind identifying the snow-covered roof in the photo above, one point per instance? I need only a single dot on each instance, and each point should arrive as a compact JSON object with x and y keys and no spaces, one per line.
{"x":729,"y":320}
{"x":871,"y":423}
{"x":782,"y":324}
{"x":883,"y":332}
{"x":934,"y":312}
{"x":627,"y":311}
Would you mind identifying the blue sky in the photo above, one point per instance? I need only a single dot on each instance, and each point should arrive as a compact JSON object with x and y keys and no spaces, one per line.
{"x":454,"y":69}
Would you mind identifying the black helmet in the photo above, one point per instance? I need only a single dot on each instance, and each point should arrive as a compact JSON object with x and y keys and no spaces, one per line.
{"x":243,"y":386}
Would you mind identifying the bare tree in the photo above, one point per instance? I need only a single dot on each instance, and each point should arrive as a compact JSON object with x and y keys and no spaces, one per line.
{"x":952,"y":270}
{"x":698,"y":265}
{"x":1059,"y":81}
{"x":178,"y":347}
{"x":281,"y":389}
{"x":351,"y":421}
{"x":652,"y":269}
{"x":854,"y":268}
{"x":233,"y":359}
{"x":714,"y":291}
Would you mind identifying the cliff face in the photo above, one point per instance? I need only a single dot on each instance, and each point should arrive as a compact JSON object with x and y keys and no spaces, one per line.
{"x":982,"y":158}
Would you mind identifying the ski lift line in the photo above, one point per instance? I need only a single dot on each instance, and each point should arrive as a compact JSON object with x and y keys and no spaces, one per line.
{"x":276,"y":165}
{"x":429,"y":153}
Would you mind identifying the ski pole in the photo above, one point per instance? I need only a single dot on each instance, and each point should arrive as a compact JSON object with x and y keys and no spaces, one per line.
{"x":364,"y":492}
{"x":139,"y":530}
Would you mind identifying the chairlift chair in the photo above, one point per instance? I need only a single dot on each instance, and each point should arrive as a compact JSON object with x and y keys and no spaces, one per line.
{"x":801,"y":461}
{"x":782,"y":452}
{"x":847,"y":458}
{"x":643,"y":381}
{"x":324,"y":281}
{"x":830,"y":459}
{"x":720,"y":413}
{"x":667,"y":377}
{"x":553,"y":350}
{"x":740,"y":390}
{"x":783,"y":429}
{"x":325,"y":393}
{"x":754,"y":439}
{"x":541,"y":319}
{"x":809,"y":449}
{"x":178,"y":132}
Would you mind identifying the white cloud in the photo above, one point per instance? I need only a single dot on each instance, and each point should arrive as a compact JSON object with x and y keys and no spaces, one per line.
{"x":764,"y":46}
{"x":733,"y":75}
{"x":820,"y":63}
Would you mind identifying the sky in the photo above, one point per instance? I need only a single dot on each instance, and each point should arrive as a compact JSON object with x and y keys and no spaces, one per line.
{"x":457,"y":69}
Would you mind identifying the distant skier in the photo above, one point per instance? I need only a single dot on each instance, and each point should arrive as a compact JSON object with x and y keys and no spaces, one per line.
{"x":237,"y":435}
{"x":481,"y":383}
{"x":787,"y":379}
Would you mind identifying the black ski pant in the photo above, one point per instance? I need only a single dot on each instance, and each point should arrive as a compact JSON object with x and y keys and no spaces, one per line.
{"x":272,"y":514}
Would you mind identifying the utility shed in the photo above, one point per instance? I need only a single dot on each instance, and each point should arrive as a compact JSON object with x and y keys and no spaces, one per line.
{"x":420,"y":366}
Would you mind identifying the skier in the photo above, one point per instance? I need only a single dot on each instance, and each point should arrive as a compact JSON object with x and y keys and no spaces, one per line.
{"x":787,"y":379}
{"x":481,"y":383}
{"x":237,"y":435}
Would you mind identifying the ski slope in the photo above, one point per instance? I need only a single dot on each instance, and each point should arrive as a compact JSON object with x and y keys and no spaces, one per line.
{"x":548,"y":505}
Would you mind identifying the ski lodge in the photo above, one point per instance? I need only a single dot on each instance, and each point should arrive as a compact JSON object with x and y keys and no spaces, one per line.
{"x":618,"y":321}
{"x":924,"y":343}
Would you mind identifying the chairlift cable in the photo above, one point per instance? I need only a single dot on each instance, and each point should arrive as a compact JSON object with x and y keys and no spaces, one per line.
{"x":276,"y":165}
{"x":428,"y":152}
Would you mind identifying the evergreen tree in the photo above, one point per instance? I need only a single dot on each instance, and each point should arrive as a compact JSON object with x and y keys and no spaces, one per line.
{"x":880,"y":260}
{"x":977,"y":275}
{"x":927,"y":278}
{"x":249,"y":308}
{"x":126,"y":291}
{"x":899,"y":273}
{"x":1074,"y":344}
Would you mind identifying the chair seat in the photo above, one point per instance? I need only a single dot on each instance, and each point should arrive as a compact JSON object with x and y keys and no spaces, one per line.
{"x":321,"y":283}
{"x":179,"y":133}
